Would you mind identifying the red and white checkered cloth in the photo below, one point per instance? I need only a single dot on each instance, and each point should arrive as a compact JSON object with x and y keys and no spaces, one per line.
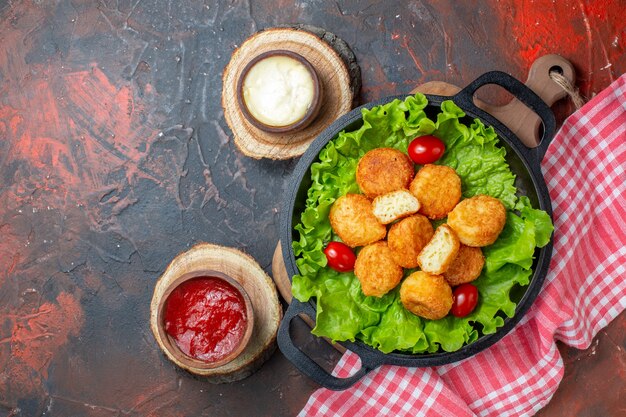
{"x":584,"y":290}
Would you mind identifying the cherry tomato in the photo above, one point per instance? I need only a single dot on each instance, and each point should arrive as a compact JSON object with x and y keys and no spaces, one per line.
{"x":340,"y":256}
{"x":426,"y":149}
{"x":465,"y":299}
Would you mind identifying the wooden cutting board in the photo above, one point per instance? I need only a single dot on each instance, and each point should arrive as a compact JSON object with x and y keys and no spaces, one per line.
{"x":515,"y":115}
{"x":523,"y":122}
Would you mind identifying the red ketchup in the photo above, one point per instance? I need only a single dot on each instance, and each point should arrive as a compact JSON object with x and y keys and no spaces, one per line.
{"x":206,"y":316}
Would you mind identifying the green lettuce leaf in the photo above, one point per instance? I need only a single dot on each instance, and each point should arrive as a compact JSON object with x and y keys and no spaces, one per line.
{"x":541,"y":219}
{"x":339,"y":317}
{"x":343,"y":312}
{"x":449,"y":333}
{"x":398,"y":329}
{"x":521,"y":235}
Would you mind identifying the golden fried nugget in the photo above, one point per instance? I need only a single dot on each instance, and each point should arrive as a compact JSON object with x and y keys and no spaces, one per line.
{"x":478,"y":221}
{"x":426,"y":295}
{"x":383,"y":170}
{"x":440,"y":251}
{"x":376,"y":270}
{"x":352,"y":220}
{"x":466,"y":267}
{"x":407,"y":238}
{"x":438,"y":189}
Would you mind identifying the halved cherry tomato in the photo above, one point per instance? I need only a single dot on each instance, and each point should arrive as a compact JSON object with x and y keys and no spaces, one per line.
{"x":465,"y":299}
{"x":340,"y":256}
{"x":426,"y":149}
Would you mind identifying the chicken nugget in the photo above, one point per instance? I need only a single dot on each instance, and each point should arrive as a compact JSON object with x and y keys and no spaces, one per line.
{"x":352,"y":220}
{"x":376,"y":270}
{"x":438,"y":189}
{"x":440,"y":251}
{"x":407,"y":238}
{"x":478,"y":220}
{"x":426,"y":295}
{"x":466,"y":267}
{"x":383,"y":170}
{"x":394,"y":205}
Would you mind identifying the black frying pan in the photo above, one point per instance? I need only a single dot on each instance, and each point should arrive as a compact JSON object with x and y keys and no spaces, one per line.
{"x":524,"y":163}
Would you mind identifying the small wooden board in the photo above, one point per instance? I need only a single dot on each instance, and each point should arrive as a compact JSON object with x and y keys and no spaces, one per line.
{"x":259,"y":287}
{"x":331,"y":69}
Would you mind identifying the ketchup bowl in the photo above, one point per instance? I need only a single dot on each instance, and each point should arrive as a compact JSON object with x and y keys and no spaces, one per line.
{"x":215,"y":313}
{"x":205,"y":319}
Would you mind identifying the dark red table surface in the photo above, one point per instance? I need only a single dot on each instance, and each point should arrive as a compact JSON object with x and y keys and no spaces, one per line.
{"x":115,"y":157}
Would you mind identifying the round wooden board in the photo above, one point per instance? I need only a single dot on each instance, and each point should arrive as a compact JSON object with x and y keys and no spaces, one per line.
{"x":331,"y":69}
{"x":261,"y":290}
{"x":279,"y":273}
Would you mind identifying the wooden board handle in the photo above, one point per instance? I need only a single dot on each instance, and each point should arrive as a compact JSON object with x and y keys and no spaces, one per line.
{"x":522,"y":121}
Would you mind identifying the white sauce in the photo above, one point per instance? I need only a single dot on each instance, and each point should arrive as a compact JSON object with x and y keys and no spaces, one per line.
{"x":278,"y":90}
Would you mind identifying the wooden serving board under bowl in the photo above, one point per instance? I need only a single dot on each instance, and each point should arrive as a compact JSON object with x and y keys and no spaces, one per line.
{"x":243,"y":269}
{"x":514,"y":115}
{"x":335,"y":65}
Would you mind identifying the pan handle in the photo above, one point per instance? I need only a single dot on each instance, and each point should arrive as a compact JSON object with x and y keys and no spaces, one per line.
{"x":465,"y":100}
{"x":307,"y":365}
